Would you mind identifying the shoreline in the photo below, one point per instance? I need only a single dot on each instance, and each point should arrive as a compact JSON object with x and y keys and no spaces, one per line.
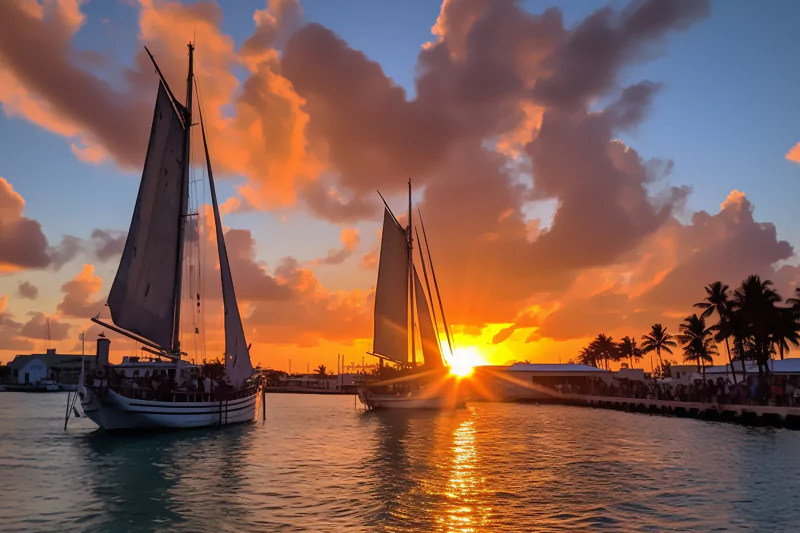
{"x":748,"y":415}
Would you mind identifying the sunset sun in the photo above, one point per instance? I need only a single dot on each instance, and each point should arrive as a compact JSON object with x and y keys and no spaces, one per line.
{"x":464,"y":360}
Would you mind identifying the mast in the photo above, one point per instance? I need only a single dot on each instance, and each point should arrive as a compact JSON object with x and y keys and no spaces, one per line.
{"x":176,"y":328}
{"x":410,"y":274}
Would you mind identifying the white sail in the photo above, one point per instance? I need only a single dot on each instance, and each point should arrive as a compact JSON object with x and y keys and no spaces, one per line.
{"x":238,"y":366}
{"x":142,"y":297}
{"x":428,"y":334}
{"x":391,"y":294}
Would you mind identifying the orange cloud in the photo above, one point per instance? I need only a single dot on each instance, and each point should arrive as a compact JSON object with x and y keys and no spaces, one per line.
{"x":350,"y":241}
{"x":794,"y":153}
{"x":80,"y":295}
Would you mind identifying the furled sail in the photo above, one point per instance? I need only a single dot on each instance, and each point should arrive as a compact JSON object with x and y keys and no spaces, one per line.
{"x":238,"y":366}
{"x":428,"y":335}
{"x":391,"y":294}
{"x":142,"y":297}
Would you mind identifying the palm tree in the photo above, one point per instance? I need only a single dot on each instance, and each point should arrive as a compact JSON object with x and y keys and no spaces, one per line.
{"x":587,"y":356}
{"x":628,"y":348}
{"x":755,"y":300}
{"x":786,"y":329}
{"x":657,"y":340}
{"x":698,"y":341}
{"x":605,"y":349}
{"x":322,"y":370}
{"x":795,"y":302}
{"x":718,"y":300}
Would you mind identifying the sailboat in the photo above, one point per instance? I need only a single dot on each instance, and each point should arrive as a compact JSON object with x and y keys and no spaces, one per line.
{"x":165,"y":390}
{"x":399,"y":300}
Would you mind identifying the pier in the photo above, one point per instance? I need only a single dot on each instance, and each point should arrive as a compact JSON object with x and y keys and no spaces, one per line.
{"x":751,"y":415}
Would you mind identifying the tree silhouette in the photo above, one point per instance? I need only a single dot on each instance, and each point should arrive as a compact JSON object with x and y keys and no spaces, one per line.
{"x":658,"y":340}
{"x":755,"y":301}
{"x":321,"y":370}
{"x":718,"y":300}
{"x":627,"y":348}
{"x":698,"y":342}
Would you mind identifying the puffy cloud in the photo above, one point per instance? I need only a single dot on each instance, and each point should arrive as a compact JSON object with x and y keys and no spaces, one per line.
{"x":664,"y":276}
{"x":107,"y":244}
{"x":255,"y":128}
{"x":43,"y":84}
{"x":588,"y":62}
{"x":22,"y":243}
{"x":40,"y":326}
{"x":313,"y":314}
{"x":80,"y":295}
{"x":26,"y":289}
{"x":350,"y":241}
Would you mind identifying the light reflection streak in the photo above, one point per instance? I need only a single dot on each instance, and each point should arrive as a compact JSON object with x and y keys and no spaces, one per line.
{"x":465,"y":513}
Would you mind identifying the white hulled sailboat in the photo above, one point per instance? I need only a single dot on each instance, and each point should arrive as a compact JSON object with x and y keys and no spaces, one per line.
{"x":145,"y":300}
{"x":398,"y":288}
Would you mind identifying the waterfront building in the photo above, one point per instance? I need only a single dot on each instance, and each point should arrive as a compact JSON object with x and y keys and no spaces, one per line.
{"x":63,"y":368}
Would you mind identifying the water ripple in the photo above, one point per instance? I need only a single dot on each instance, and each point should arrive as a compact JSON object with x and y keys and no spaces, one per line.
{"x":319,"y":465}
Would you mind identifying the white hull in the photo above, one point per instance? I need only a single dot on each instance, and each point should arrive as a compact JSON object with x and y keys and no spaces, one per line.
{"x":373,"y":401}
{"x":110,"y":410}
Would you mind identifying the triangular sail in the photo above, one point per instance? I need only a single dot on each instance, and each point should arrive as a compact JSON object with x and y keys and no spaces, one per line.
{"x":427,"y":333}
{"x":238,"y":366}
{"x":142,"y":297}
{"x":391,"y":294}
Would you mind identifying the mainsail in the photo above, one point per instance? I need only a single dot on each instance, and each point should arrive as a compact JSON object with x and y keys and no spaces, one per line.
{"x":391,"y":294}
{"x":237,"y":356}
{"x":427,"y":333}
{"x":142,"y":297}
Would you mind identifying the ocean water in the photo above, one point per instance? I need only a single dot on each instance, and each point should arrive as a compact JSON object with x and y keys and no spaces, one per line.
{"x":318,"y":464}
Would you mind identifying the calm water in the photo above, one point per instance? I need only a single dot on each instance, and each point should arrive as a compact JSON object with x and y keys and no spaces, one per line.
{"x":317,"y":464}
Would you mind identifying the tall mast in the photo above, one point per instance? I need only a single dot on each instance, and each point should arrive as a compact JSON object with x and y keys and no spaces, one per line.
{"x":187,"y":112}
{"x":411,"y":275}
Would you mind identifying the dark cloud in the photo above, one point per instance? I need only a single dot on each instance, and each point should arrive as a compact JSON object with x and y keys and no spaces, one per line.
{"x":22,"y":243}
{"x":588,"y":62}
{"x":26,"y":289}
{"x":107,"y":244}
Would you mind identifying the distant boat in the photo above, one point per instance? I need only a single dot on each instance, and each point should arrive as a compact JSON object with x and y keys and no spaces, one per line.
{"x":145,"y":298}
{"x":398,"y":287}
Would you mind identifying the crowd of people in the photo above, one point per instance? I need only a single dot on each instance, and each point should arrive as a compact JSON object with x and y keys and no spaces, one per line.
{"x":161,"y":385}
{"x":780,"y":391}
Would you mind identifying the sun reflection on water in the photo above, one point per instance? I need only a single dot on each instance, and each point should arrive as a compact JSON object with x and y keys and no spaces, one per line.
{"x":465,"y":513}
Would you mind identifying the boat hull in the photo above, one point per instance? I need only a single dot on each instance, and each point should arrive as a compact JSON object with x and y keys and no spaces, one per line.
{"x":112,"y":411}
{"x":373,"y":401}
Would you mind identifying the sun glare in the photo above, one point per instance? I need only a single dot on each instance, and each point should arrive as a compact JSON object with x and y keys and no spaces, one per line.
{"x":464,"y":360}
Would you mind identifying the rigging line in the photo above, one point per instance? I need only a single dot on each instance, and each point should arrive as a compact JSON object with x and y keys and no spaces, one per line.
{"x":450,"y":341}
{"x":202,"y":249}
{"x":429,"y":296}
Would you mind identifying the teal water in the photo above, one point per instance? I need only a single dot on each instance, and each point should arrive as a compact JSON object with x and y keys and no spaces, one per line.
{"x":317,"y":464}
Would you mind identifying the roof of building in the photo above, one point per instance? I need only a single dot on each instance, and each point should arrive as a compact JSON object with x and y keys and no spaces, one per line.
{"x":556,"y":368}
{"x":51,"y":358}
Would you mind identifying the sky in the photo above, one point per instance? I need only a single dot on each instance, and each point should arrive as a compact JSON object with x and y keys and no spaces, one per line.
{"x":583,"y":167}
